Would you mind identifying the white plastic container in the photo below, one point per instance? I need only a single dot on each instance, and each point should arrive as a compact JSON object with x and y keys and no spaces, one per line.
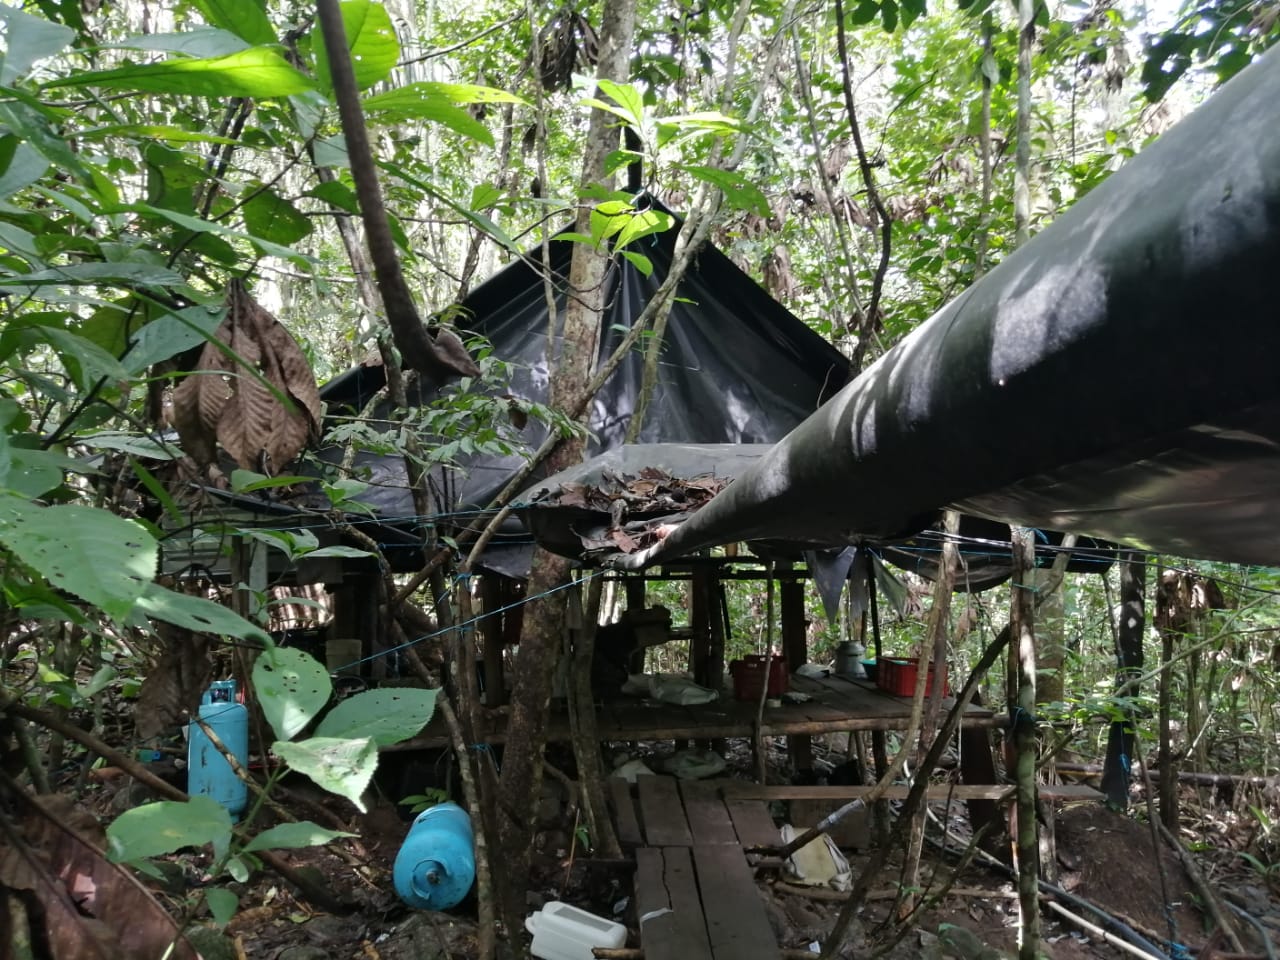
{"x":563,"y":932}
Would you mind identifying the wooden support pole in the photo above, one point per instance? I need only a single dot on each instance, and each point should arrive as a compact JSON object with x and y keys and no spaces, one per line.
{"x":795,"y":647}
{"x":700,"y":611}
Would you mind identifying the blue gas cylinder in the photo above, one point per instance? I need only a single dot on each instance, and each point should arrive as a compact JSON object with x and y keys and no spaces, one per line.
{"x":208,"y":773}
{"x":436,"y":864}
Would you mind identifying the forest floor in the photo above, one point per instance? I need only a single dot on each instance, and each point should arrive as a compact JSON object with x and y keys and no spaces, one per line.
{"x":1104,"y":857}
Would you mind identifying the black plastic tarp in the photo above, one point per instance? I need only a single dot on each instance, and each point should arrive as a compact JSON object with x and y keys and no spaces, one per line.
{"x":736,"y":367}
{"x":1116,"y":376}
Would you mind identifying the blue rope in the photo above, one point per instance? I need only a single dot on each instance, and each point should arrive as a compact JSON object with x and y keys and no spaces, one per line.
{"x":466,"y":624}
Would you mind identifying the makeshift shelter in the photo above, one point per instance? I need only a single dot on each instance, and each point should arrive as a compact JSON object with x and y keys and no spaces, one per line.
{"x":736,"y":367}
{"x":1116,"y":376}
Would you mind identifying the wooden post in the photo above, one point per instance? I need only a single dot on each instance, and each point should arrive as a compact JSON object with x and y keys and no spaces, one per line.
{"x":491,"y":634}
{"x":700,"y":610}
{"x":635,"y":587}
{"x":795,"y":647}
{"x":1022,"y":606}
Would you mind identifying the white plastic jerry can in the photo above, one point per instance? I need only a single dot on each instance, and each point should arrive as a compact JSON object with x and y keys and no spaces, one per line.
{"x":563,"y":932}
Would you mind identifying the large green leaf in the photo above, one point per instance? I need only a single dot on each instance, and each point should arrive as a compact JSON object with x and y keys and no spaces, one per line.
{"x":292,"y":688}
{"x":198,"y":42}
{"x":96,"y":273}
{"x":270,"y":217}
{"x":81,"y":356}
{"x":256,"y":72}
{"x":420,"y":102}
{"x":291,"y":836}
{"x":155,"y":829}
{"x":196,"y":225}
{"x":245,"y":18}
{"x":197,"y":613}
{"x":344,"y":767}
{"x":222,"y":904}
{"x":171,"y":334}
{"x":386,"y":716}
{"x":28,"y":40}
{"x":738,"y":191}
{"x":20,"y":165}
{"x":103,"y":559}
{"x":33,"y":472}
{"x":371,"y":40}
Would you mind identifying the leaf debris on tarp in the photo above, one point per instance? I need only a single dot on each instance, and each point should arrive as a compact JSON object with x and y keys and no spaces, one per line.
{"x":638,"y":507}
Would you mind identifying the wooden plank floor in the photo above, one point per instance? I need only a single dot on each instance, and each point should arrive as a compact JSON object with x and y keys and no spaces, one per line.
{"x":695,"y":895}
{"x":836,"y":704}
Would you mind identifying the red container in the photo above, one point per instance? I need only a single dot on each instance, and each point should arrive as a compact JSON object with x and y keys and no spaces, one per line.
{"x":748,"y":677}
{"x":898,"y":676}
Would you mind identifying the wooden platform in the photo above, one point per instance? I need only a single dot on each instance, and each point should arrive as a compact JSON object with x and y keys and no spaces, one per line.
{"x":695,"y":895}
{"x":836,"y":705}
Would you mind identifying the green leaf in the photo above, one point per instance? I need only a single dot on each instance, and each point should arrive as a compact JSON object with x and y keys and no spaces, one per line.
{"x":275,"y":219}
{"x":639,"y":261}
{"x":643,"y":224}
{"x":337,"y":195}
{"x":608,"y":218}
{"x":246,"y":481}
{"x":197,"y":613}
{"x":222,"y":904}
{"x":171,"y":334}
{"x":864,"y":12}
{"x":739,"y":192}
{"x":67,"y":545}
{"x":889,"y":15}
{"x":466,"y":92}
{"x":132,"y":443}
{"x":371,"y":42}
{"x":256,"y":72}
{"x":386,"y":716}
{"x":155,"y":829}
{"x":32,"y":472}
{"x":28,"y":40}
{"x":238,"y":869}
{"x":344,"y":767}
{"x":293,"y":836}
{"x":197,"y":225}
{"x":197,"y":42}
{"x":417,"y":102}
{"x":92,"y":360}
{"x":628,"y":98}
{"x":245,"y":18}
{"x":292,"y":688}
{"x":22,"y":163}
{"x":128,"y":274}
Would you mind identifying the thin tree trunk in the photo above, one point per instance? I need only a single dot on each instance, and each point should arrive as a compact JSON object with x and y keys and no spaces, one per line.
{"x":1022,"y":157}
{"x":1131,"y":626}
{"x":1166,"y":621}
{"x":586,"y":741}
{"x":989,"y":68}
{"x":1022,"y":619}
{"x":571,"y":379}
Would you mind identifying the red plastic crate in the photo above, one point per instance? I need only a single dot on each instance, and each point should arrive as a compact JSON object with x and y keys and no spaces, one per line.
{"x":897,"y":675}
{"x":748,"y":676}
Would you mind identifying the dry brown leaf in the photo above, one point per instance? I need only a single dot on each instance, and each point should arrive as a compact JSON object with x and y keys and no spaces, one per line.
{"x":109,"y":905}
{"x":239,"y":405}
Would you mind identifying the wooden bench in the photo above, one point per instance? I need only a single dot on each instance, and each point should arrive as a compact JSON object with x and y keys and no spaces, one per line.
{"x":695,"y":894}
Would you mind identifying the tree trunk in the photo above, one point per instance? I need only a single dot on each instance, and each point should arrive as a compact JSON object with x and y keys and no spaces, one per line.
{"x":571,"y":374}
{"x":1129,"y":658}
{"x":1022,"y":620}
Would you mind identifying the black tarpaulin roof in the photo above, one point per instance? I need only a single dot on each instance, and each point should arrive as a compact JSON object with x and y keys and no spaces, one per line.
{"x":1116,"y":376}
{"x":736,"y":367}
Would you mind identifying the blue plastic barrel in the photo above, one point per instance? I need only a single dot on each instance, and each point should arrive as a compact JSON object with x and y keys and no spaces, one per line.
{"x":208,"y":773}
{"x":436,"y":864}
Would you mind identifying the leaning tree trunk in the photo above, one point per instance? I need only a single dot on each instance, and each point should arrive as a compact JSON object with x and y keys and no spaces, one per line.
{"x":544,"y":618}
